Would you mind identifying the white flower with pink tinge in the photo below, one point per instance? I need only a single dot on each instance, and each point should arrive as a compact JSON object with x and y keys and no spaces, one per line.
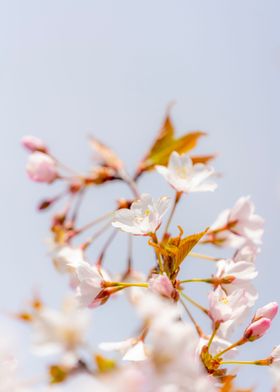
{"x":184,"y":176}
{"x":66,"y":259}
{"x":239,"y":225}
{"x":238,"y":275}
{"x":89,"y":280}
{"x":41,"y":168}
{"x":230,"y":310}
{"x":144,"y":216}
{"x":162,"y":285}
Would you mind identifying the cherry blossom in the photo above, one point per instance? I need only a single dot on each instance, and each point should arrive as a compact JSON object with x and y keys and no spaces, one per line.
{"x":185,"y":176}
{"x":67,"y":259}
{"x":161,"y":284}
{"x":229,"y":310}
{"x":41,"y":168}
{"x":237,"y":275}
{"x":144,"y":216}
{"x":89,"y":284}
{"x":59,"y":331}
{"x":239,"y":225}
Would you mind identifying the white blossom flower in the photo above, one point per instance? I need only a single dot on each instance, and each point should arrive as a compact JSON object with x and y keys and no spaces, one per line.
{"x":60,"y":331}
{"x":239,"y":226}
{"x":67,"y":259}
{"x":131,"y":349}
{"x":89,"y":281}
{"x":185,"y":176}
{"x":9,"y":381}
{"x":144,"y":216}
{"x":239,"y":276}
{"x":227,"y":309}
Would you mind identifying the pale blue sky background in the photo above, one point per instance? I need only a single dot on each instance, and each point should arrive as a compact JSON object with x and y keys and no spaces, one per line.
{"x":69,"y":68}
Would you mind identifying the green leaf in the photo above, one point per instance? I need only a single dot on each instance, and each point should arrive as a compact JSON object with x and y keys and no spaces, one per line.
{"x":165,"y":144}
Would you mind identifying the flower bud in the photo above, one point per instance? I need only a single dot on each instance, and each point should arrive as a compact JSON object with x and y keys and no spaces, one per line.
{"x":257,"y":329}
{"x":268,"y":311}
{"x":41,"y":168}
{"x":33,"y":144}
{"x":160,"y":284}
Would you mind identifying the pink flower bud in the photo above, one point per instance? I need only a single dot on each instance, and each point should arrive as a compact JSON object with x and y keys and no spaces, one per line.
{"x":268,"y":311}
{"x":32,"y":144}
{"x":162,"y":285}
{"x":257,"y":329}
{"x":41,"y":168}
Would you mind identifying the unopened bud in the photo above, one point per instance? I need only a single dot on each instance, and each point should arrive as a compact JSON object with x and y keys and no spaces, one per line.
{"x":268,"y":311}
{"x":257,"y":329}
{"x":33,"y":144}
{"x":41,"y":168}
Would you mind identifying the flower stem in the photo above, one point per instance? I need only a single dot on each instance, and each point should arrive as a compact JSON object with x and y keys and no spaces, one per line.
{"x":86,"y":244}
{"x":236,"y":344}
{"x":105,"y":247}
{"x":124,"y":284}
{"x":204,"y":257}
{"x":176,"y":201}
{"x":193,"y":302}
{"x":155,"y":239}
{"x":195,"y":280}
{"x":197,"y":327}
{"x":260,"y":362}
{"x":94,"y":222}
{"x":215,"y":330}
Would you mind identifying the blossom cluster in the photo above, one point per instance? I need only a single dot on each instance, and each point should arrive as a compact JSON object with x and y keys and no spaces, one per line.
{"x":171,"y":351}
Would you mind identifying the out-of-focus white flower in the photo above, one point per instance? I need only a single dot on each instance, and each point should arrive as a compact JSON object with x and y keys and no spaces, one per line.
{"x":89,"y":281}
{"x":162,"y":285}
{"x":173,"y":353}
{"x":67,"y":259}
{"x":131,"y":349}
{"x":33,"y":143}
{"x":239,"y":225}
{"x":41,"y":168}
{"x":275,"y":354}
{"x":9,"y":366}
{"x":275,"y":367}
{"x":185,"y":176}
{"x":60,"y":331}
{"x":275,"y":370}
{"x":144,"y":216}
